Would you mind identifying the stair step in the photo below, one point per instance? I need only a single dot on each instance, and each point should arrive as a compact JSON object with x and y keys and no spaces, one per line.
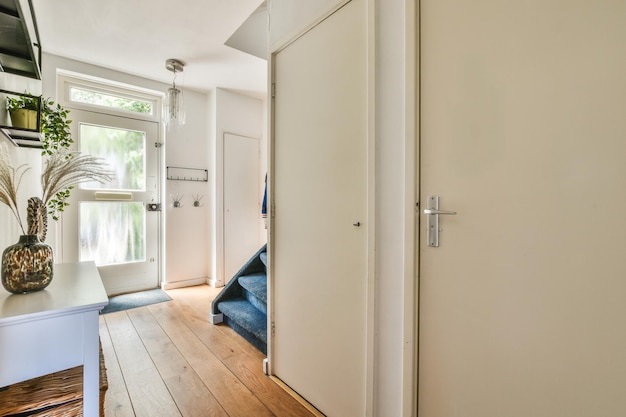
{"x":256,"y":284}
{"x":242,"y":304}
{"x":255,"y":290}
{"x":245,"y":315}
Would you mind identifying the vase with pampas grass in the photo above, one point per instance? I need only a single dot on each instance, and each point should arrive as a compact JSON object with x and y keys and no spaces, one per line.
{"x":28,"y":265}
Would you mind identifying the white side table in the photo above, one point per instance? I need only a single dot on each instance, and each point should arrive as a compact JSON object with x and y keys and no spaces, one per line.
{"x":55,"y":329}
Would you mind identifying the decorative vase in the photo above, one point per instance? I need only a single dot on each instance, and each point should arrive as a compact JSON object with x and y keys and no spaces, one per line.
{"x":27,"y":265}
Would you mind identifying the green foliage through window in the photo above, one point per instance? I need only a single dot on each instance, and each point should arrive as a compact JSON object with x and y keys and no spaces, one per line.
{"x":124,"y":150}
{"x":80,"y":95}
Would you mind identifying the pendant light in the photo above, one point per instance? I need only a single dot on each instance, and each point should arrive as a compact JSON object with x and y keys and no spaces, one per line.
{"x":174,"y":107}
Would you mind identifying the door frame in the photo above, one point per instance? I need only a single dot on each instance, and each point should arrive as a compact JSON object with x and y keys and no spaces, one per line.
{"x":66,"y":79}
{"x":412,"y":216}
{"x":370,"y":203}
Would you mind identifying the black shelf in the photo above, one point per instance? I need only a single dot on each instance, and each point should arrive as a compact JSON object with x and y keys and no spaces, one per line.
{"x":24,"y":138}
{"x":20,"y":47}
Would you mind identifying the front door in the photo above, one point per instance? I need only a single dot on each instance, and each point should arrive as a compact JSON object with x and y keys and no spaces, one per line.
{"x":110,"y":223}
{"x":523,"y":135}
{"x":318,"y":235}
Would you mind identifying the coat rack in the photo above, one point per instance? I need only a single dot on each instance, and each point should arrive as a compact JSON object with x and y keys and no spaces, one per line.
{"x":187,"y":174}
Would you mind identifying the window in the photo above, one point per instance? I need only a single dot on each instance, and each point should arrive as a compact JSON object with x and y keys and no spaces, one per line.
{"x":112,"y":233}
{"x":123,"y":149}
{"x":94,"y":94}
{"x":86,"y":96}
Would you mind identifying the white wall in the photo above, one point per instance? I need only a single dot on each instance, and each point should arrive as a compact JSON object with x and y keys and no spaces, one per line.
{"x":395,"y":191}
{"x":9,"y":229}
{"x":242,"y":115}
{"x":187,"y":227}
{"x":288,"y":18}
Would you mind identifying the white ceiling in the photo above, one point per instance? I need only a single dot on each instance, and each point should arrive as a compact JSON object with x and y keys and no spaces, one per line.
{"x":137,"y":36}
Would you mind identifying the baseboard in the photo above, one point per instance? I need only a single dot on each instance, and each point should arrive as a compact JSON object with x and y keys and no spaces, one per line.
{"x":297,"y":397}
{"x":266,"y":366}
{"x":214,"y":283}
{"x":216,"y":318}
{"x":184,"y":283}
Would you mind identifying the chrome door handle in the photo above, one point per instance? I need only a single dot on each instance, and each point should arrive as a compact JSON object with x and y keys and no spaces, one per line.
{"x":433,"y":211}
{"x":433,"y":220}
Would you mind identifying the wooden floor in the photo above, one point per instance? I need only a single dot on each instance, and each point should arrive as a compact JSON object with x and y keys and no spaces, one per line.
{"x":168,"y":360}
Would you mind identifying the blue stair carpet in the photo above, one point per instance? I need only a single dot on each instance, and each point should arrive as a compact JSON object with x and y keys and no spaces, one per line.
{"x":255,"y":290}
{"x":244,"y":318}
{"x":134,"y":300}
{"x":242,"y":304}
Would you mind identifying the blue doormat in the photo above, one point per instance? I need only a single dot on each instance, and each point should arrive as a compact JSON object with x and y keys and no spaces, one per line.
{"x":134,"y":300}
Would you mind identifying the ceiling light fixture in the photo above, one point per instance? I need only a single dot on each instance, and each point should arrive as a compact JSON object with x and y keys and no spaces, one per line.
{"x":174,"y":108}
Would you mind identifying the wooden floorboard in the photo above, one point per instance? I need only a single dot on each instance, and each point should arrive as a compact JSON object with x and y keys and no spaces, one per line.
{"x":168,"y":360}
{"x":147,"y":390}
{"x":117,"y":400}
{"x":235,"y":398}
{"x":182,"y":381}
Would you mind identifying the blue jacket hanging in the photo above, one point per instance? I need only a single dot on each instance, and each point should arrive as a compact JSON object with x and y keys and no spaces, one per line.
{"x":264,"y":205}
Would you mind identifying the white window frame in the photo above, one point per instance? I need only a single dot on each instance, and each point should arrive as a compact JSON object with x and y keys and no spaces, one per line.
{"x":66,"y":80}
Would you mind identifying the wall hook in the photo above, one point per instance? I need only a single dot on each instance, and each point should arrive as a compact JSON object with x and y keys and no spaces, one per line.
{"x":176,"y":200}
{"x":196,"y":200}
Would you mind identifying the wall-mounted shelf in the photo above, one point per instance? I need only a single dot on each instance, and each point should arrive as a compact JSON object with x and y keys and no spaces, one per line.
{"x":23,"y":137}
{"x":187,"y":174}
{"x":20,"y":48}
{"x":19,"y":136}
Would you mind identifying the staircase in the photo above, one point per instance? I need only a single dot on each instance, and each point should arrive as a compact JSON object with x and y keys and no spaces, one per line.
{"x":242,"y":304}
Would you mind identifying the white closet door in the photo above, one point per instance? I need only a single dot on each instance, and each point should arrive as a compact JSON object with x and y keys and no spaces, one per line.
{"x":319,"y":250}
{"x":242,"y":203}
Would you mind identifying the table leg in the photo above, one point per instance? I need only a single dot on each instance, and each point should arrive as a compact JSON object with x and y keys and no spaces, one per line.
{"x":91,"y":368}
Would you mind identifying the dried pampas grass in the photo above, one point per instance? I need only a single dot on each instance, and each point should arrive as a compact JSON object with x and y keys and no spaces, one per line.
{"x":67,"y":169}
{"x":62,"y":171}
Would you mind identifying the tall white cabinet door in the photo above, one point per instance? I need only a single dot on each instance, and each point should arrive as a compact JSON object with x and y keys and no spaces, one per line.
{"x":318,"y":240}
{"x":242,"y":203}
{"x":523,"y":134}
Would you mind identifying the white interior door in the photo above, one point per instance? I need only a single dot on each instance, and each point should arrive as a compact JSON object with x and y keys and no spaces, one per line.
{"x":109,"y":223}
{"x":242,"y":203}
{"x":523,"y":135}
{"x":318,"y":234}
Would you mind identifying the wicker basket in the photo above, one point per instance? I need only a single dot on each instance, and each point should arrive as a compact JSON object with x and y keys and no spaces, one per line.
{"x":53,"y":395}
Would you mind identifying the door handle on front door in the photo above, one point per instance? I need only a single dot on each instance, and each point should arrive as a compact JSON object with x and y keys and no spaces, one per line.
{"x":433,"y":213}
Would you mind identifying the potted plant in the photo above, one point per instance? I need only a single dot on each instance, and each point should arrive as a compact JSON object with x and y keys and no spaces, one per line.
{"x":55,"y":126}
{"x":24,"y":110}
{"x":56,"y":134}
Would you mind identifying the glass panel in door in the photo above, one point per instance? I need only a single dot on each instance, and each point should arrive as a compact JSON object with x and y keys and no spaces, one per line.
{"x":112,"y":233}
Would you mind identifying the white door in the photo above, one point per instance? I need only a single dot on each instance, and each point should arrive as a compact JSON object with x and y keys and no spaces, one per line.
{"x":242,"y":203}
{"x":318,"y":234}
{"x":523,"y":134}
{"x":110,"y":223}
